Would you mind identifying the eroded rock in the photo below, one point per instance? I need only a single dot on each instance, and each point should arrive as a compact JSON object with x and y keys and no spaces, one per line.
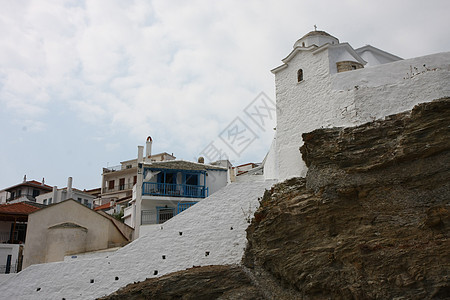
{"x":371,"y":220}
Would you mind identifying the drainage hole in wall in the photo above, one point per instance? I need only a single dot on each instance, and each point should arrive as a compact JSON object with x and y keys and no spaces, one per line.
{"x":155,"y":272}
{"x":231,"y":228}
{"x":38,"y":289}
{"x":163,"y":257}
{"x":180,"y":233}
{"x":206,"y":253}
{"x":117,"y":278}
{"x":92,"y":280}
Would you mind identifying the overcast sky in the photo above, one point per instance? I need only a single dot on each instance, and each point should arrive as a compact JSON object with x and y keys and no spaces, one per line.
{"x":83,"y":83}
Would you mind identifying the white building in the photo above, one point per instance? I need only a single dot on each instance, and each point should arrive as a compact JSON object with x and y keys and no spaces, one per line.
{"x":166,"y":188}
{"x":25,"y":191}
{"x":314,"y":90}
{"x":118,"y":181}
{"x":59,"y":195}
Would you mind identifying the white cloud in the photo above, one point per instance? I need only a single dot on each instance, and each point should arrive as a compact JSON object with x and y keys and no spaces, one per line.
{"x":179,"y":71}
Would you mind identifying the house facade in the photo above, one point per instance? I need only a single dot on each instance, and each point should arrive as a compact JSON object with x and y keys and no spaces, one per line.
{"x":59,"y":195}
{"x":166,"y":188}
{"x":326,"y":83}
{"x":118,"y":181}
{"x":25,"y":191}
{"x":13,"y":227}
{"x":69,"y":228}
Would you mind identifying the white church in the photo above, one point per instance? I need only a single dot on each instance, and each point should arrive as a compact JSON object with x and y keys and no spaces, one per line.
{"x":324,"y":83}
{"x":321,"y":83}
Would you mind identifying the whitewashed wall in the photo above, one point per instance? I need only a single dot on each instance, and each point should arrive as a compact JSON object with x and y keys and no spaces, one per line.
{"x":348,"y":98}
{"x":215,"y":180}
{"x":211,"y":232}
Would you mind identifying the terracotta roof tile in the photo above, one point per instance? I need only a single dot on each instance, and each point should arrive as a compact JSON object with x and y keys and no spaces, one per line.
{"x":106,"y":205}
{"x":18,"y":208}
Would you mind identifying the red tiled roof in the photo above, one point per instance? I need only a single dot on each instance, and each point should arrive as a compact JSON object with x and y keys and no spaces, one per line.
{"x":38,"y":183}
{"x":104,"y":206}
{"x":19,"y":208}
{"x":32,"y":183}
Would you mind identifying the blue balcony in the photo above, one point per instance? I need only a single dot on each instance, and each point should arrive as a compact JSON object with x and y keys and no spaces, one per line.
{"x":174,"y":190}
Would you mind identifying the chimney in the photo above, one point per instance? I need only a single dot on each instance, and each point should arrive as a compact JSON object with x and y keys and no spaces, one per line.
{"x":69,"y":188}
{"x":148,"y":149}
{"x":201,"y":160}
{"x":43,"y":181}
{"x":54,"y":193}
{"x":140,"y":154}
{"x":25,"y":178}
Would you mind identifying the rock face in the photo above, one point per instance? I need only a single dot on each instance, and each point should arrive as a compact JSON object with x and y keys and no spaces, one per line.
{"x":210,"y":282}
{"x":372,"y":218}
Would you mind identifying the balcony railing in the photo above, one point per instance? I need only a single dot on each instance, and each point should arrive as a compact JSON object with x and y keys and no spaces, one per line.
{"x":174,"y":190}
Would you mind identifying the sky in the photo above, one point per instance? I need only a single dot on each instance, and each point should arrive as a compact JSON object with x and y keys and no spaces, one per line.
{"x":83,"y":83}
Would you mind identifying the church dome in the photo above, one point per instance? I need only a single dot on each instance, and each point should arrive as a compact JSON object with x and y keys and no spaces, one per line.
{"x":317,"y":38}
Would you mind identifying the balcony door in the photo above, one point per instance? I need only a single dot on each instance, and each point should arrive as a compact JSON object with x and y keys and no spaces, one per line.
{"x":167,"y":182}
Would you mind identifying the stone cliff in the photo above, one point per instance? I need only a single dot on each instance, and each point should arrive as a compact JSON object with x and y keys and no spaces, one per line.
{"x":371,"y":220}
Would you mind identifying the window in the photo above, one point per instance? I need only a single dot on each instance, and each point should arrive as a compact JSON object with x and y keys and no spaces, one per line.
{"x":134,"y":180}
{"x":50,"y":200}
{"x":79,"y":200}
{"x":167,"y":177}
{"x":111,"y":184}
{"x":128,"y":166}
{"x":303,"y":44}
{"x":36,"y":193}
{"x":19,"y":232}
{"x":299,"y":75}
{"x":121,"y":184}
{"x":192,"y":179}
{"x":45,"y":202}
{"x":86,"y":202}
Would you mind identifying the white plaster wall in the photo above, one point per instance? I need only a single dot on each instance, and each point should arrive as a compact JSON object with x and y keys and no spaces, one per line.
{"x":271,"y":162}
{"x":216,"y":224}
{"x":349,"y":98}
{"x":90,"y":255}
{"x":4,"y":277}
{"x":101,"y":232}
{"x":9,"y":249}
{"x":337,"y":54}
{"x":61,"y":195}
{"x":317,"y":40}
{"x":215,"y":180}
{"x":301,"y":107}
{"x":249,"y":177}
{"x":373,"y":58}
{"x":3,"y":197}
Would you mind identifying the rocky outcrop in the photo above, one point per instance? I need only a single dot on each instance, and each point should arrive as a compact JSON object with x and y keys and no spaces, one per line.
{"x":210,"y":282}
{"x":372,"y":218}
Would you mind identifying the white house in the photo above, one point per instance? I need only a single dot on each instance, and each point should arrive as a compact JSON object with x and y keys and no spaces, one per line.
{"x":166,"y":188}
{"x":28,"y":190}
{"x":118,"y":181}
{"x":59,"y":195}
{"x":325,"y":83}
